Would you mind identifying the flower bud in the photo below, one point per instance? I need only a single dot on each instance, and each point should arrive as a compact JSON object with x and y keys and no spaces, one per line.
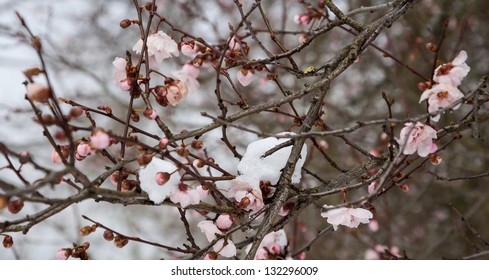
{"x":210,"y":256}
{"x":75,"y":112}
{"x":224,"y":222}
{"x":8,"y":241}
{"x":63,"y":254}
{"x":163,"y":142}
{"x":431,"y":47}
{"x":38,"y":93}
{"x":150,"y":113}
{"x":198,"y":163}
{"x":86,"y":230}
{"x":120,"y":241}
{"x":134,"y":116}
{"x":162,"y":178}
{"x":108,"y":235}
{"x":150,"y":7}
{"x":245,"y":201}
{"x":144,"y":159}
{"x":182,"y":152}
{"x":14,"y":206}
{"x":31,"y":72}
{"x":197,"y":144}
{"x":125,"y":23}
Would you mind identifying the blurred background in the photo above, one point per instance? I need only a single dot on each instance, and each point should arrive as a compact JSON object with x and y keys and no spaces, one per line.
{"x":82,"y":38}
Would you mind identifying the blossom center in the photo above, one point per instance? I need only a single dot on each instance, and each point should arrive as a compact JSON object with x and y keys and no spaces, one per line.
{"x":445,"y":69}
{"x":442,"y":95}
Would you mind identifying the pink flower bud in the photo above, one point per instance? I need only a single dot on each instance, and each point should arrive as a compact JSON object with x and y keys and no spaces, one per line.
{"x":38,"y":93}
{"x":62,"y":254}
{"x":162,"y":177}
{"x":224,"y":222}
{"x":177,"y":91}
{"x":83,"y":149}
{"x":302,"y":19}
{"x":323,"y":144}
{"x":150,"y":113}
{"x":163,"y":142}
{"x":55,"y":157}
{"x":99,"y":140}
{"x":188,"y":48}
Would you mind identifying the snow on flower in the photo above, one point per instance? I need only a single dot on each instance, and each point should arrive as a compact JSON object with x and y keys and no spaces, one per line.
{"x":272,"y":246}
{"x":441,"y":96}
{"x":160,"y":46}
{"x":185,"y":195}
{"x":349,"y":217}
{"x":420,"y":139}
{"x":454,"y":72}
{"x":120,"y":75}
{"x":99,"y":140}
{"x":224,"y":247}
{"x":188,"y":74}
{"x":177,"y":91}
{"x":256,"y":166}
{"x":247,"y":193}
{"x":156,"y":189}
{"x":245,"y":77}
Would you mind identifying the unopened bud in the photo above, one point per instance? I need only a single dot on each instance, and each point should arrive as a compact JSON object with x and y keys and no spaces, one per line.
{"x":125,"y":23}
{"x":86,"y":230}
{"x":245,"y":201}
{"x":182,"y":152}
{"x":31,"y":72}
{"x":134,"y":116}
{"x":163,"y":143}
{"x":120,"y":241}
{"x":198,"y":163}
{"x":75,"y":112}
{"x":38,"y":93}
{"x":36,"y":43}
{"x":197,"y":144}
{"x":431,"y":47}
{"x":3,"y":202}
{"x":150,"y":7}
{"x":144,"y":159}
{"x":14,"y":206}
{"x":8,"y":241}
{"x":108,"y":235}
{"x":162,"y":178}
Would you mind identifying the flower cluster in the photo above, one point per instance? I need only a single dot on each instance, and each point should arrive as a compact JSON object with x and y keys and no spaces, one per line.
{"x":445,"y":93}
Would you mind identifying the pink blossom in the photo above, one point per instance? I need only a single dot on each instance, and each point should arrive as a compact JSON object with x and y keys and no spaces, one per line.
{"x":84,"y":149}
{"x":62,"y":254}
{"x":349,"y":217}
{"x":55,"y":158}
{"x":373,"y":226}
{"x":245,"y":194}
{"x":245,"y":77}
{"x":454,"y":72}
{"x":185,"y":196}
{"x":302,"y":19}
{"x":224,"y":222}
{"x":323,"y":144}
{"x":272,"y":245}
{"x":120,"y":75}
{"x":189,"y":48}
{"x":202,"y":193}
{"x":163,"y":142}
{"x":150,"y":113}
{"x":177,"y":91}
{"x":160,"y":46}
{"x":188,"y":74}
{"x":435,"y":159}
{"x":372,"y":186}
{"x":420,"y":139}
{"x":100,"y":140}
{"x":234,"y":43}
{"x":441,"y":96}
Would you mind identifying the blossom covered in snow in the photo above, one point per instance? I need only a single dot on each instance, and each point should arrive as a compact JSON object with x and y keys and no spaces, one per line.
{"x":441,"y":96}
{"x":349,"y":217}
{"x":420,"y":139}
{"x":247,"y":193}
{"x":245,"y":77}
{"x":185,"y":195}
{"x":454,"y":72}
{"x":255,"y":165}
{"x":224,"y":247}
{"x":160,"y":46}
{"x":151,"y":179}
{"x":120,"y":74}
{"x":272,"y":246}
